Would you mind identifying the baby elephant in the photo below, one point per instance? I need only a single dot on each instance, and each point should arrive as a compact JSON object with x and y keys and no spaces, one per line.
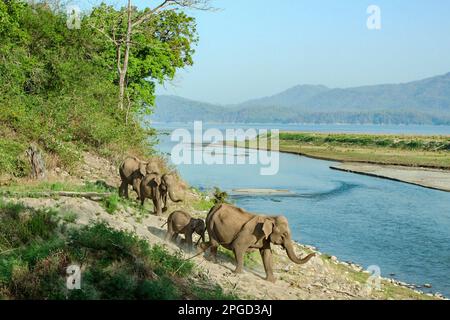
{"x":180,"y":222}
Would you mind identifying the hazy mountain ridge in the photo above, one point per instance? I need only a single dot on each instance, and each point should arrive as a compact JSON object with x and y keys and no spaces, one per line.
{"x":419,"y":102}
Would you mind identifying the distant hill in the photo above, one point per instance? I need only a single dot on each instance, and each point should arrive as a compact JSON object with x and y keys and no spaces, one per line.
{"x":420,"y":102}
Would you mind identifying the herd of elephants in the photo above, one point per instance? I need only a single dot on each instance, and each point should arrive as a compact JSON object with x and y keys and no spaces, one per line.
{"x":226,"y":225}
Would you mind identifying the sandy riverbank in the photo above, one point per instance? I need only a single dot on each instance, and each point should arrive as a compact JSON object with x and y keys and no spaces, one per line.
{"x":424,"y":177}
{"x":261,"y":192}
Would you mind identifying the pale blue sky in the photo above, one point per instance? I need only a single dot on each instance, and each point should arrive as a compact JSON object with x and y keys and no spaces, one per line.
{"x":253,"y":48}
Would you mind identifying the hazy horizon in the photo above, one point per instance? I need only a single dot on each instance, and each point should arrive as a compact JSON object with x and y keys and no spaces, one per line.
{"x":257,"y":48}
{"x":165,"y":93}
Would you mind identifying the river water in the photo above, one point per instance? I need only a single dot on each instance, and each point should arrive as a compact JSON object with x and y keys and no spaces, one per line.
{"x":403,"y":229}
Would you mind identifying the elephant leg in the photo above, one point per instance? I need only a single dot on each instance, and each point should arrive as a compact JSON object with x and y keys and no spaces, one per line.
{"x":164,"y":201}
{"x":123,"y":189}
{"x":137,"y":187}
{"x":239,"y":252}
{"x":188,"y":237}
{"x":157,"y":207}
{"x":266,"y":255}
{"x":213,"y":246}
{"x":170,"y":232}
{"x":156,"y":202}
{"x":240,"y":247}
{"x":174,"y":237}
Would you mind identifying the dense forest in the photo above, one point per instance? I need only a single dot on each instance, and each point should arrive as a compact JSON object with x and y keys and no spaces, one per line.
{"x":68,"y":89}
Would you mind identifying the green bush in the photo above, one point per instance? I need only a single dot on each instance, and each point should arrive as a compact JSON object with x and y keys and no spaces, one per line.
{"x":168,"y":263}
{"x":36,"y":251}
{"x":161,"y":289}
{"x":12,"y":158}
{"x":18,"y":227}
{"x":111,"y":203}
{"x":214,"y":293}
{"x":364,"y":140}
{"x":57,"y":91}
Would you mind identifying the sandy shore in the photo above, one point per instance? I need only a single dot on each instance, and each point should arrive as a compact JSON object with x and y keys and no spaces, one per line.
{"x":438,"y":179}
{"x":261,"y":191}
{"x":424,"y":177}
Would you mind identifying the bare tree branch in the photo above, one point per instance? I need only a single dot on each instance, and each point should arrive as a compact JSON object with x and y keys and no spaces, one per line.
{"x":151,"y":12}
{"x":113,"y":40}
{"x":176,"y":4}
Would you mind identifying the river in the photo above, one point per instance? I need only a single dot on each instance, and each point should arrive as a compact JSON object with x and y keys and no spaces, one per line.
{"x":403,"y":229}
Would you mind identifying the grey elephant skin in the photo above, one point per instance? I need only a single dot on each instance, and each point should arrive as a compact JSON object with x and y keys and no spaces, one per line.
{"x":159,"y":188}
{"x":241,"y":231}
{"x":180,"y":222}
{"x":132,"y":171}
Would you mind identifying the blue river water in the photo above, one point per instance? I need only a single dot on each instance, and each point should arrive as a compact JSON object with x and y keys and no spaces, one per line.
{"x":404,"y":229}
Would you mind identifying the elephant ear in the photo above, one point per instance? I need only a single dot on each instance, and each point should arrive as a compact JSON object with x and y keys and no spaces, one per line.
{"x":142,"y":168}
{"x":267,"y":228}
{"x":260,"y":227}
{"x":155,"y":179}
{"x":152,"y":167}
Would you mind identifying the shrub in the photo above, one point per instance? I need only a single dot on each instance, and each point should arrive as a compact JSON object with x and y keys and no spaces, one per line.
{"x":116,"y":264}
{"x":12,"y":158}
{"x":111,"y":203}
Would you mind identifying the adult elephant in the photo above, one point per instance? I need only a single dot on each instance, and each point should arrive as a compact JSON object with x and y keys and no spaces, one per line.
{"x":170,"y":186}
{"x":132,"y":171}
{"x":240,"y":231}
{"x":158,"y":188}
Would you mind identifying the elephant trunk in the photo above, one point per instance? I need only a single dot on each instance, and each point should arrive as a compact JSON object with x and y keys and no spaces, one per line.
{"x":291,"y":253}
{"x":173,"y":196}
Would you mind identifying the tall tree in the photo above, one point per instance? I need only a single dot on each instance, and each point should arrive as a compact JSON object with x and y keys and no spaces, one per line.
{"x":146,"y":45}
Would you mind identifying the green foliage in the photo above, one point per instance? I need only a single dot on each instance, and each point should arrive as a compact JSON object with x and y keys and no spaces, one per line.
{"x":12,"y":159}
{"x":163,"y":289}
{"x":98,"y":186}
{"x":69,"y":217}
{"x":220,"y":196}
{"x":35,"y":253}
{"x":60,"y":85}
{"x":173,"y":264}
{"x":19,"y":228}
{"x":214,"y":293}
{"x":111,"y":203}
{"x":203,"y":204}
{"x":160,"y":46}
{"x":363,"y":140}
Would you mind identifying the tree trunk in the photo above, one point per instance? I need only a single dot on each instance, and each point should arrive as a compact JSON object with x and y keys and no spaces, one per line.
{"x":37,"y":162}
{"x":124,"y":69}
{"x":121,"y":88}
